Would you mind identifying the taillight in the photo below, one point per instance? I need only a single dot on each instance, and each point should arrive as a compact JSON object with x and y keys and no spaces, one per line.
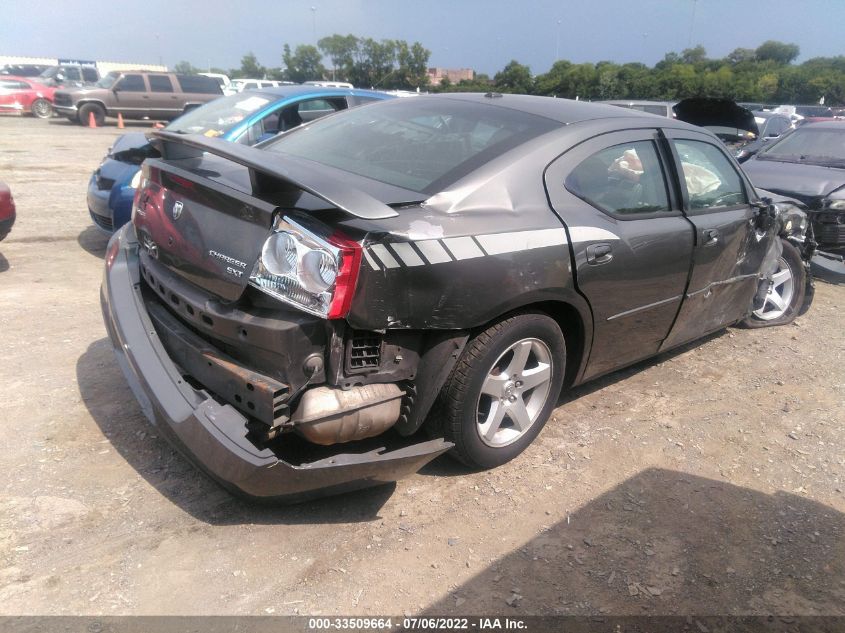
{"x":316,"y":274}
{"x":347,"y":276}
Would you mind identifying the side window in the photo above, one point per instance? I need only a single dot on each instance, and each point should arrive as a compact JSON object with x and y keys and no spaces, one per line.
{"x":89,"y":74}
{"x":72,"y":73}
{"x":160,"y":83}
{"x":362,"y":100}
{"x":198,"y":84}
{"x":709,"y":177}
{"x":622,"y":180}
{"x":131,"y":83}
{"x":316,"y":108}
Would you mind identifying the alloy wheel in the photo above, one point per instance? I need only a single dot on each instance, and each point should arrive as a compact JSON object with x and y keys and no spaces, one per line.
{"x":514,"y":392}
{"x":779,"y":296}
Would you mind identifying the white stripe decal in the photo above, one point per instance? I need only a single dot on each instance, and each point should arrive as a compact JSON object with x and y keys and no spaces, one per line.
{"x":407,"y":254}
{"x":384,"y":255}
{"x":590,"y":234}
{"x":463,"y":247}
{"x":433,"y":251}
{"x":370,"y":260}
{"x":498,"y":243}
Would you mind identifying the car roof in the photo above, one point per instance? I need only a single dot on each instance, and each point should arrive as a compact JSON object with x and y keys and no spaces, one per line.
{"x":839,"y":126}
{"x":298,"y":91}
{"x":565,"y":111}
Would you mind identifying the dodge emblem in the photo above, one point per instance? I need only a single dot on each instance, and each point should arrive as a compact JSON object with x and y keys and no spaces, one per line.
{"x":177,"y":209}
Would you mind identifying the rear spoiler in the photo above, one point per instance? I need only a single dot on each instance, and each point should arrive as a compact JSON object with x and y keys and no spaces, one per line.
{"x":302,"y":174}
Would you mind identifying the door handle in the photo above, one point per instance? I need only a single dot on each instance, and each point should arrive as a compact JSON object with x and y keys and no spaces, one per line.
{"x":599,"y":253}
{"x":711,"y":237}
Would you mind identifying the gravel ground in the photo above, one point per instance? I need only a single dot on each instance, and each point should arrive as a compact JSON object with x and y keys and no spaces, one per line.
{"x":708,"y":480}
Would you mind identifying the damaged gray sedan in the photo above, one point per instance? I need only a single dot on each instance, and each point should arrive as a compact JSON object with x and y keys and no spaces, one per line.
{"x":426,"y":274}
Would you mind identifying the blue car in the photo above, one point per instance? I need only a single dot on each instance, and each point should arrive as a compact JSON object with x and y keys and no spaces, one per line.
{"x":248,"y":117}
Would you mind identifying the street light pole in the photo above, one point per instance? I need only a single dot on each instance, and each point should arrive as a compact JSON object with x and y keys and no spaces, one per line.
{"x":557,"y":42}
{"x":314,"y":22}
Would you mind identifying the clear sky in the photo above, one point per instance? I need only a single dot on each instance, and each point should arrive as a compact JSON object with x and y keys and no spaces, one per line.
{"x":483,"y":35}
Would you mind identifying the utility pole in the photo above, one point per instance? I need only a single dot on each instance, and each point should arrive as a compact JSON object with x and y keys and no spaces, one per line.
{"x":314,"y":22}
{"x":692,"y":23}
{"x":557,"y":42}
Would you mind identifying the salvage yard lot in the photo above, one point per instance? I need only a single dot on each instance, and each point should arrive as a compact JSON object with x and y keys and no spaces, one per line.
{"x":709,"y":480}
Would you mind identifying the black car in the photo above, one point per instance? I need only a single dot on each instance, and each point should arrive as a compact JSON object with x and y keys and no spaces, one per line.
{"x":772,"y":125}
{"x":809,"y":164}
{"x":443,"y":264}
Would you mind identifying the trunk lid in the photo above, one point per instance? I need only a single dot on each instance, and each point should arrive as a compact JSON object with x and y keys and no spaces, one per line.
{"x":206,"y":232}
{"x":207,"y":206}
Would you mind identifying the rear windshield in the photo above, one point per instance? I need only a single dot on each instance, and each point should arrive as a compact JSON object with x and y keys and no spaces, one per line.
{"x":811,"y":145}
{"x":418,"y":144}
{"x":219,"y":116}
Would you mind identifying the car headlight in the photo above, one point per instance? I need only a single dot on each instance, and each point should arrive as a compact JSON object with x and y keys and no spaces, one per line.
{"x":314,"y":273}
{"x":135,"y":183}
{"x":836,"y":205}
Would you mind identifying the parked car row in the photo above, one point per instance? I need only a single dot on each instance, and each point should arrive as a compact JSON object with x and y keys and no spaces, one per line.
{"x":24,"y":95}
{"x":444,"y":264}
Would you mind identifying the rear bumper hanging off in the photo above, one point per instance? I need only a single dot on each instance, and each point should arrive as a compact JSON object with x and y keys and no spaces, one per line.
{"x":214,"y":435}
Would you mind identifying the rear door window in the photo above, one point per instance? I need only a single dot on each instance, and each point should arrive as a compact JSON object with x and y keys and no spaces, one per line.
{"x":131,"y":83}
{"x":624,"y":180}
{"x":71,"y":73}
{"x":90,"y":74}
{"x":160,"y":83}
{"x":198,"y":84}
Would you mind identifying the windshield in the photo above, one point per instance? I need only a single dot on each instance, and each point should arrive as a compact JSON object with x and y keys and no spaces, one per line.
{"x":108,"y":80}
{"x":809,"y":144}
{"x":50,"y":72}
{"x":221,"y":115}
{"x":418,"y":144}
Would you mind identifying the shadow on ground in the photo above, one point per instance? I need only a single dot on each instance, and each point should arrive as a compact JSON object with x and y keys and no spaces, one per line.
{"x":94,"y":241}
{"x":4,"y":264}
{"x":666,"y":542}
{"x":115,"y":410}
{"x":443,"y":467}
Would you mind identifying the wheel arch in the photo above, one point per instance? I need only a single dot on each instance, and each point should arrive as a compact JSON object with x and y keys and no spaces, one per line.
{"x":84,"y":102}
{"x":574,"y":317}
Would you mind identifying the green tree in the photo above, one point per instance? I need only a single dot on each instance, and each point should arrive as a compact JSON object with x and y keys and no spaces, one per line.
{"x":742,"y":55}
{"x":185,"y":68}
{"x":249,"y":67}
{"x":413,"y":65}
{"x":694,"y":55}
{"x":304,"y":64}
{"x":778,"y":52}
{"x":374,"y":66}
{"x":341,"y":50}
{"x":514,"y":77}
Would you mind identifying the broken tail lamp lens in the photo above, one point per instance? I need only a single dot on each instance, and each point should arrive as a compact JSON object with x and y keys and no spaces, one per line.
{"x":313,"y":273}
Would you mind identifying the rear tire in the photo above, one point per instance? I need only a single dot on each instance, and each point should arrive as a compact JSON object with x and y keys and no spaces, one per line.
{"x":92,"y":108}
{"x":41,"y":108}
{"x":503,"y":389}
{"x":786,"y":292}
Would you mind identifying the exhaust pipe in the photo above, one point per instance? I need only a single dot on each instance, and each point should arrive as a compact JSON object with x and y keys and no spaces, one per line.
{"x":331,"y":416}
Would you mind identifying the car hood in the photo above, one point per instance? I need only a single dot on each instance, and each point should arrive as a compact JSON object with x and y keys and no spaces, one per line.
{"x":706,"y":112}
{"x":800,"y":180}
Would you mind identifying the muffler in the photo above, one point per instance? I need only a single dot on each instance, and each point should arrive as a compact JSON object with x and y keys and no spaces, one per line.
{"x":332,"y":416}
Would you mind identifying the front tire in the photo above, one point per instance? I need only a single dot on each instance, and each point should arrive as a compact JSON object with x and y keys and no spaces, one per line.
{"x":92,"y":108}
{"x":786,"y":292}
{"x":41,"y":108}
{"x":503,"y":389}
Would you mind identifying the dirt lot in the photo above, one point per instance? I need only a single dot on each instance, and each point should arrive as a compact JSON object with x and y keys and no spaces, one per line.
{"x":710,"y":480}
